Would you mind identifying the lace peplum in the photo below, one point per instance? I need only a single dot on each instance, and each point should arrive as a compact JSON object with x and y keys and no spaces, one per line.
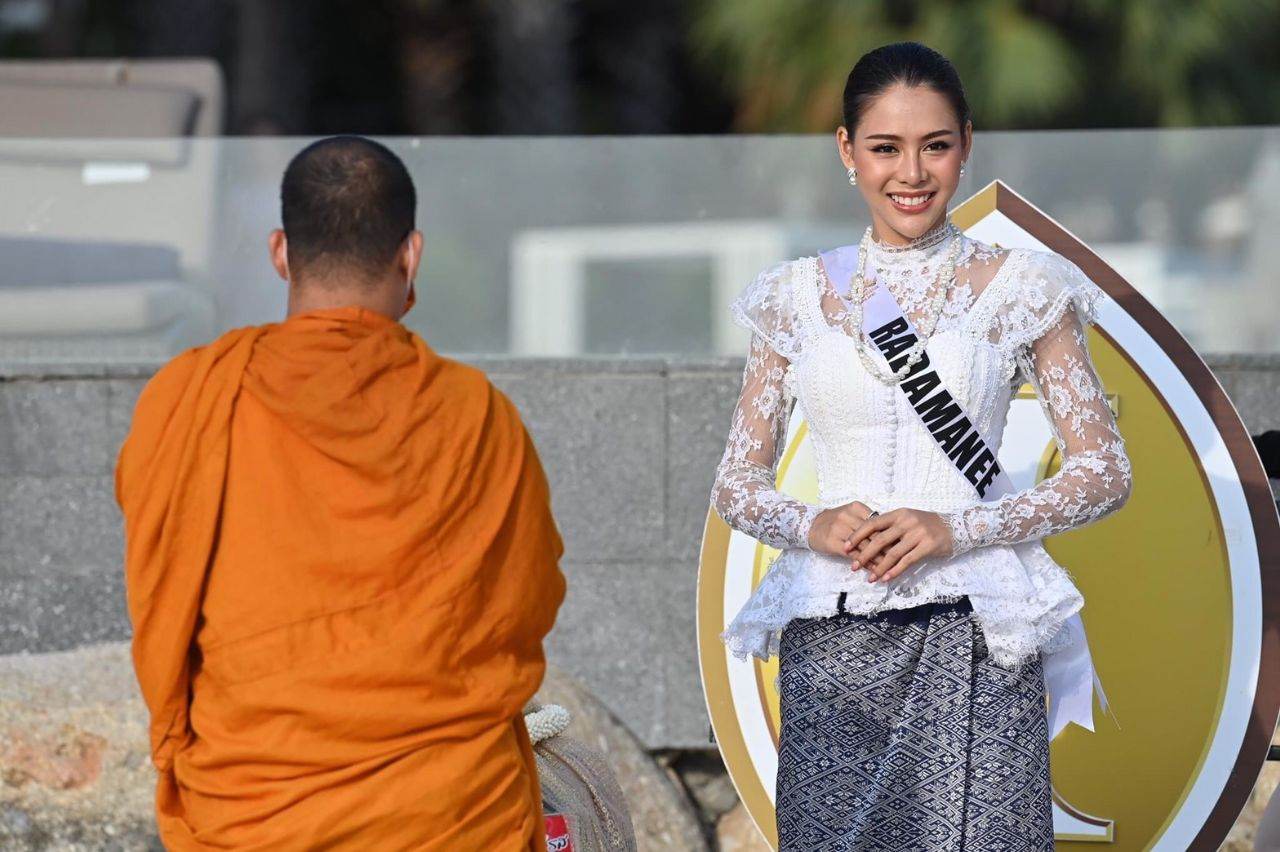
{"x":1010,"y":316}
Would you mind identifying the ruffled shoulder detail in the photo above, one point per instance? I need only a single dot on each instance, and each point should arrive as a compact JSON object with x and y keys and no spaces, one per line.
{"x":767,"y":307}
{"x":1036,"y":290}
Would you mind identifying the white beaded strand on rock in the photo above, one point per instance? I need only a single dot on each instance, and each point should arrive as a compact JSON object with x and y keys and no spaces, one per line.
{"x":857,"y":294}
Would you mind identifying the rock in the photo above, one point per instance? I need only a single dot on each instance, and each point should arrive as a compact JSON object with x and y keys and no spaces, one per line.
{"x":74,"y":767}
{"x":736,"y":832}
{"x":661,"y":814}
{"x":75,"y":772}
{"x":704,"y":776}
{"x":1243,"y":833}
{"x":1266,"y":830}
{"x":68,"y":760}
{"x":77,"y":775}
{"x":14,"y":822}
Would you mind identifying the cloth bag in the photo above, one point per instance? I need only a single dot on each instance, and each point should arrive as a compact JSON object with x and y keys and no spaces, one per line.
{"x":579,"y":791}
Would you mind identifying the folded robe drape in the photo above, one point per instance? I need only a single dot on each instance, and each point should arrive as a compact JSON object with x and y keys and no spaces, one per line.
{"x":340,"y":564}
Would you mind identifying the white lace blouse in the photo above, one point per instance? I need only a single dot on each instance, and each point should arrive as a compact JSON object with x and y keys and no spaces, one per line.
{"x":1010,"y":316}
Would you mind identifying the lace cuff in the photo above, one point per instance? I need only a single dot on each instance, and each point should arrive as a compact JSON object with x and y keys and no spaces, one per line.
{"x":962,"y":538}
{"x":746,"y":498}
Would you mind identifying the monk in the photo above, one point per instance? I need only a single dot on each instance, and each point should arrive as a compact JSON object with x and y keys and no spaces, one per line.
{"x":340,"y":557}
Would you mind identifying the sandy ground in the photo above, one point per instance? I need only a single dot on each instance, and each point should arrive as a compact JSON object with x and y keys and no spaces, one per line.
{"x":75,"y":774}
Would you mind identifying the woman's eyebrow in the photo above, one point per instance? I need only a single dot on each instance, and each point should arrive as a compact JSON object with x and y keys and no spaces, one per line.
{"x":894,"y":138}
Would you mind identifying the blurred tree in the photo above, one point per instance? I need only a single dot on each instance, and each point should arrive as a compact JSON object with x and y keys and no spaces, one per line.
{"x":270,"y":44}
{"x":1185,"y":62}
{"x":630,"y":65}
{"x":788,"y":63}
{"x":697,"y":66}
{"x":1025,"y":63}
{"x":531,"y":80}
{"x":437,"y":53}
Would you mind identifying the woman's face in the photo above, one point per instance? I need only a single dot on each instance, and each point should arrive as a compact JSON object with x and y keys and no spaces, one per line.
{"x":908,"y":148}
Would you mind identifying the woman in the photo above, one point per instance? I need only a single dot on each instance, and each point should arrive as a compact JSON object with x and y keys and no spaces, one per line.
{"x":913,"y":613}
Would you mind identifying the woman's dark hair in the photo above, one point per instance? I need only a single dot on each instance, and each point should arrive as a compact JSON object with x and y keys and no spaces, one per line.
{"x":908,"y":63}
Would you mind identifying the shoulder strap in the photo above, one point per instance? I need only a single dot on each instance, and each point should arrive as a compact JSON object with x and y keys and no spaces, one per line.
{"x":841,"y":264}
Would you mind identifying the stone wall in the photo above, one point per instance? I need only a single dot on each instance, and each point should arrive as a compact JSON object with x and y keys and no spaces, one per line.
{"x":630,"y":446}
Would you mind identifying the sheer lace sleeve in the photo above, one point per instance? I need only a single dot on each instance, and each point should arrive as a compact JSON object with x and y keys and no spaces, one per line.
{"x":745,"y":493}
{"x":1052,"y":354}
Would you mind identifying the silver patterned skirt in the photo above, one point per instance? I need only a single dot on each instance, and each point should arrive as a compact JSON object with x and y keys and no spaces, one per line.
{"x":900,"y":733}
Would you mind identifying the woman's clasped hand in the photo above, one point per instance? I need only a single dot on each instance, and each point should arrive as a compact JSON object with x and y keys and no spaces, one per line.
{"x":884,"y":545}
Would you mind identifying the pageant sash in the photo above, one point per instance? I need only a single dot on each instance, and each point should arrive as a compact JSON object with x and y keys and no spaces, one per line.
{"x":1069,"y":675}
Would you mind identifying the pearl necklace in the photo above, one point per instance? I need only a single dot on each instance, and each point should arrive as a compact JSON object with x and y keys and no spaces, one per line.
{"x":858,"y":289}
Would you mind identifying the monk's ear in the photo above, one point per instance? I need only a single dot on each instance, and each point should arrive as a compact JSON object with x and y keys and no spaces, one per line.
{"x":410,"y":255}
{"x":278,"y":246}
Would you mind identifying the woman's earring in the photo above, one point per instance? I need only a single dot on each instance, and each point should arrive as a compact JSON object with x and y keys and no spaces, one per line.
{"x":853,"y":175}
{"x":962,"y":170}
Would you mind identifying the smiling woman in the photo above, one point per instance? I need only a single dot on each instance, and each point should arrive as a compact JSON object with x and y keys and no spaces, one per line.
{"x":915,"y":613}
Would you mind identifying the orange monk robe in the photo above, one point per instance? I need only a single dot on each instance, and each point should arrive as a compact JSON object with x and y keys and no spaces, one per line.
{"x":340,"y":564}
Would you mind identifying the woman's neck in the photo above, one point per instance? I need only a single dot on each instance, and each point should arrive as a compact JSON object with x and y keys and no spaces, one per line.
{"x":922,"y":251}
{"x":889,"y":238}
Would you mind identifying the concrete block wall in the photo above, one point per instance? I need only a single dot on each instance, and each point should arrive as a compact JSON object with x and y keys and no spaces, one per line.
{"x":630,"y":447}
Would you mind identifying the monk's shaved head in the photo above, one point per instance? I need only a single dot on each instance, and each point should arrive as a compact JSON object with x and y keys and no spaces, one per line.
{"x":347,"y":203}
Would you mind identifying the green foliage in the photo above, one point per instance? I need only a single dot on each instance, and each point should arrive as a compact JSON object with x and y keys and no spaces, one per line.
{"x":1029,"y":64}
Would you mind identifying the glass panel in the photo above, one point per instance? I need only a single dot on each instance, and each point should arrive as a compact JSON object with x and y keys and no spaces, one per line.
{"x":648,"y":306}
{"x":131,"y":250}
